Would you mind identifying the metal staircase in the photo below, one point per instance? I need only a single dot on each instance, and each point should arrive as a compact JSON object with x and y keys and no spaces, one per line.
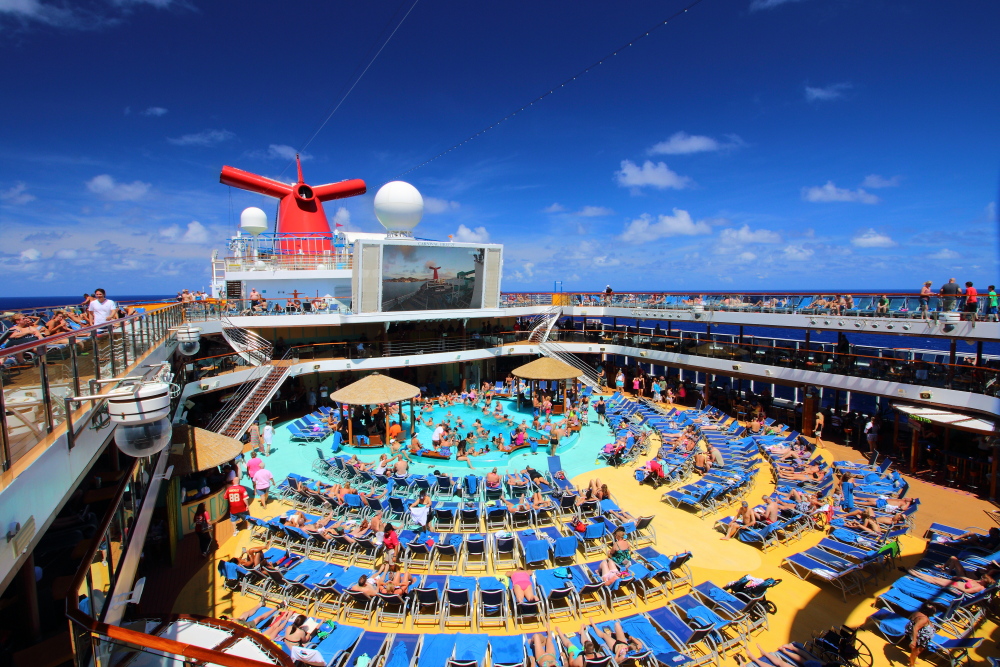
{"x":242,"y":410}
{"x":253,"y":349}
{"x":239,"y":412}
{"x":552,"y":349}
{"x":543,"y":325}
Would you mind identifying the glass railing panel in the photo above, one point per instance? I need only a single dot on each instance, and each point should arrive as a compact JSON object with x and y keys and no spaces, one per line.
{"x":25,"y":415}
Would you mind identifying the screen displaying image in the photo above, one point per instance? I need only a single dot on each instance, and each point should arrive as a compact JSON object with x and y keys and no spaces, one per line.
{"x":418,"y":277}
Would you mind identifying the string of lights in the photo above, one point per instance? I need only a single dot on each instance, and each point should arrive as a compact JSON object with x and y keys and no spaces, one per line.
{"x":554,"y":89}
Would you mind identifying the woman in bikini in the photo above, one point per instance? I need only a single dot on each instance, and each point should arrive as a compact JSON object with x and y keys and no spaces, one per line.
{"x":544,"y":649}
{"x":966,"y":585}
{"x":621,"y":550}
{"x":619,"y":641}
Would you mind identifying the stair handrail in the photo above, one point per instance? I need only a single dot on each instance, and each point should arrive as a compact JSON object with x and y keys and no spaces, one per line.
{"x":552,"y":349}
{"x":251,"y":347}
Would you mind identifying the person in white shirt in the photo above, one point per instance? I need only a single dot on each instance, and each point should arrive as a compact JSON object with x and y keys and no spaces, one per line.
{"x":324,"y":393}
{"x":438,"y":433}
{"x":268,"y":434}
{"x":101,"y":308}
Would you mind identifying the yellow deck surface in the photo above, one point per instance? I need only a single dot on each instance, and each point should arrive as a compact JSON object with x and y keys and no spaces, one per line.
{"x":804,"y":608}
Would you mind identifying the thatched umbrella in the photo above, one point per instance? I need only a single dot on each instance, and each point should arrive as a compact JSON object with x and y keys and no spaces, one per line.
{"x":195,"y":449}
{"x":546,"y":368}
{"x":376,"y":389}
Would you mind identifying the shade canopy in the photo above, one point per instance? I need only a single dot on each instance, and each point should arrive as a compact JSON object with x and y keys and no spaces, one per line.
{"x":195,"y":449}
{"x":375,"y":389}
{"x":948,"y":418}
{"x":546,"y":368}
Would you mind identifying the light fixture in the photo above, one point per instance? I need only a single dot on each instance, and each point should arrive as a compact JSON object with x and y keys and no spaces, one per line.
{"x":737,"y":367}
{"x":874,"y":325}
{"x":890,"y":326}
{"x":906,"y":327}
{"x":768,"y":371}
{"x":841,"y":322}
{"x":826,"y":322}
{"x":167,"y":474}
{"x":812,"y":320}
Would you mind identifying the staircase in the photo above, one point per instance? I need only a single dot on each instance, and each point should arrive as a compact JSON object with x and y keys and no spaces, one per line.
{"x":236,"y":416}
{"x":235,"y":420}
{"x":543,"y":325}
{"x":588,"y":375}
{"x":253,"y":349}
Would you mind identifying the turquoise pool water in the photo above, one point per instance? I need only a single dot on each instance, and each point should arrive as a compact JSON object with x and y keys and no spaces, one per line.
{"x":578,"y":452}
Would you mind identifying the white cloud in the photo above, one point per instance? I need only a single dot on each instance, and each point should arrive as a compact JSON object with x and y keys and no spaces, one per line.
{"x":435,"y":205}
{"x":644,"y":229}
{"x":74,"y":16}
{"x":155,"y":112}
{"x":682,"y":143}
{"x":285,"y":152}
{"x":831,"y":92}
{"x":66,"y":253}
{"x":658,"y":175}
{"x":745,"y":257}
{"x":30,"y":255}
{"x":944,"y":253}
{"x":594,"y":211}
{"x":744,"y":235}
{"x":17,"y":194}
{"x":108,"y":188}
{"x":477,"y":235}
{"x":555,"y":207}
{"x":874,"y":181}
{"x":872,"y":239}
{"x":342,"y":217}
{"x":757,"y":5}
{"x":831,"y":193}
{"x":33,"y":10}
{"x":604,"y":260}
{"x":797,"y":253}
{"x":196,"y":233}
{"x":206,"y":138}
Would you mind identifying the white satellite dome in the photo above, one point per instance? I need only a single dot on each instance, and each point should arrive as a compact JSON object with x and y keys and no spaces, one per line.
{"x":399,"y":207}
{"x":253,"y":221}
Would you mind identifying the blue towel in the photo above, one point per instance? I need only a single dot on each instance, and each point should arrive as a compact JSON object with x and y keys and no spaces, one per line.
{"x":471,"y":647}
{"x":401,"y":652}
{"x":535,"y":550}
{"x":507,"y":650}
{"x":490,"y":584}
{"x":437,"y":648}
{"x":471,"y":484}
{"x":565,"y":547}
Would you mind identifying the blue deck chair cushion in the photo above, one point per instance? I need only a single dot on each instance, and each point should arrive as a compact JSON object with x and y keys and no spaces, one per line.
{"x":471,"y":647}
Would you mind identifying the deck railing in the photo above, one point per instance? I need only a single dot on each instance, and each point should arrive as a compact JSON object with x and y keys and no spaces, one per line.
{"x":871,"y":304}
{"x":36,"y":376}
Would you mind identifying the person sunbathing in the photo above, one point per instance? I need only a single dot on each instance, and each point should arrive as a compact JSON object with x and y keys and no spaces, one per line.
{"x":395,"y":582}
{"x":543,"y":649}
{"x":744,"y":519}
{"x":812,"y":473}
{"x":887,"y":504}
{"x":600,"y":490}
{"x":516,"y":479}
{"x":620,"y":642}
{"x":866,"y":522}
{"x":522,"y":505}
{"x":522,"y":585}
{"x":610,"y":572}
{"x":963,"y":585}
{"x":540,"y":502}
{"x":365,"y":586}
{"x":250,"y":558}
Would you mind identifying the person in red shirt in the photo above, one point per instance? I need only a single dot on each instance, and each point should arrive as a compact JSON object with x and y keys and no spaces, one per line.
{"x":971,"y":301}
{"x":390,"y":540}
{"x":238,"y":500}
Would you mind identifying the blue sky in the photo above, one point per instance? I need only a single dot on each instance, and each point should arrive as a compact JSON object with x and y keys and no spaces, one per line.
{"x":749,"y":144}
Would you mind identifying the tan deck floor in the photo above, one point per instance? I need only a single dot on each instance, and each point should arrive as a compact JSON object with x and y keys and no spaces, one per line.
{"x":804,"y":608}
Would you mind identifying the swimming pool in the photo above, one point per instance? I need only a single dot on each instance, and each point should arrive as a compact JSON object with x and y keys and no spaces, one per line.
{"x":578,"y":452}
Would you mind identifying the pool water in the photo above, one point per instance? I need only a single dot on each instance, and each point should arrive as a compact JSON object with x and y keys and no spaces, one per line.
{"x":578,"y":452}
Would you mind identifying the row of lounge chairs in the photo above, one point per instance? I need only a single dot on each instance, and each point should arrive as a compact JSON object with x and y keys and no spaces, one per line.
{"x":959,"y":615}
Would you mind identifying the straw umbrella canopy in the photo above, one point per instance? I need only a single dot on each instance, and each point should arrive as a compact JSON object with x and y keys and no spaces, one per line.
{"x":376,"y":389}
{"x":195,"y":449}
{"x":546,"y":368}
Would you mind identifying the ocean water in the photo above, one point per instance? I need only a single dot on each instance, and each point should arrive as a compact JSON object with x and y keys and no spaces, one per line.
{"x":25,"y":302}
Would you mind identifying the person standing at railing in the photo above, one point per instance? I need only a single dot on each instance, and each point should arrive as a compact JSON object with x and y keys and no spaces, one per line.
{"x":949,"y":293}
{"x":991,"y":306}
{"x":101,"y":309}
{"x":971,"y":302}
{"x":925,"y":299}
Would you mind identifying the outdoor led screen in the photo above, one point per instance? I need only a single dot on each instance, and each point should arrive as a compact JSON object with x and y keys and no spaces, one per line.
{"x":431,"y":277}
